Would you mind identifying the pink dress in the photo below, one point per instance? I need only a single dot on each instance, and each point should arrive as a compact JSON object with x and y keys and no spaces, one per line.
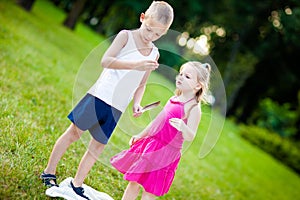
{"x":153,"y":160}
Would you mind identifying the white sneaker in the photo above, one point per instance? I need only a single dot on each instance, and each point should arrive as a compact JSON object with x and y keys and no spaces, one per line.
{"x":66,"y":182}
{"x":95,"y":194}
{"x":65,"y":191}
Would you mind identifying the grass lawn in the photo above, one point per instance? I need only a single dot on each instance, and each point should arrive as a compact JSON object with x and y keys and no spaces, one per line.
{"x":44,"y":72}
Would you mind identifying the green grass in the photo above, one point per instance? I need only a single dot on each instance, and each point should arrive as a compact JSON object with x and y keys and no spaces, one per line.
{"x":44,"y":71}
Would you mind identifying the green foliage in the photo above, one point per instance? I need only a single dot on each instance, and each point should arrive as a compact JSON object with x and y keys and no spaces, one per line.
{"x":283,"y":149}
{"x":291,"y":25}
{"x":236,"y":74}
{"x":276,"y":118}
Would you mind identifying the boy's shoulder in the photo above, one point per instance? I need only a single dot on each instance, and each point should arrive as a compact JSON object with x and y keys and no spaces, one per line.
{"x":125,"y":31}
{"x":124,"y":34}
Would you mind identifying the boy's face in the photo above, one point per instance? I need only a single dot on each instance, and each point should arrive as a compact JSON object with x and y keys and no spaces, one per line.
{"x":151,"y":29}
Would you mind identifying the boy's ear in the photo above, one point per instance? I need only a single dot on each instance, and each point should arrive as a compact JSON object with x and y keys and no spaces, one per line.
{"x":142,"y":17}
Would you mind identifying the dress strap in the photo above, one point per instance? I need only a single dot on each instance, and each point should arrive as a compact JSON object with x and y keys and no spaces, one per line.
{"x":189,"y":100}
{"x":189,"y":111}
{"x":172,"y":99}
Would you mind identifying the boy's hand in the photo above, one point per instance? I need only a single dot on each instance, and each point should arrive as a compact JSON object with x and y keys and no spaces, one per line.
{"x":145,"y":65}
{"x":137,"y":110}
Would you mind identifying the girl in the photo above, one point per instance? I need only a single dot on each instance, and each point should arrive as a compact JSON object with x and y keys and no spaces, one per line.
{"x":154,"y":154}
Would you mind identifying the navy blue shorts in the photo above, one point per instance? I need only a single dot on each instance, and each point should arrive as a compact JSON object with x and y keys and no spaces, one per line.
{"x":96,"y":116}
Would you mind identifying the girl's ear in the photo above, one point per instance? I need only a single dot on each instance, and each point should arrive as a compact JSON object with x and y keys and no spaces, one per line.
{"x":198,"y":86}
{"x":142,"y":17}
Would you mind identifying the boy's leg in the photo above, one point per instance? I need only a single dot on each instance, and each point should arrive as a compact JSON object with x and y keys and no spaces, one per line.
{"x":88,"y":160}
{"x":132,"y":191}
{"x":72,"y":134}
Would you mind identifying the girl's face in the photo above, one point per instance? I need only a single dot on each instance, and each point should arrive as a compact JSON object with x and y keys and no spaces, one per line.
{"x":187,"y":79}
{"x":151,"y":30}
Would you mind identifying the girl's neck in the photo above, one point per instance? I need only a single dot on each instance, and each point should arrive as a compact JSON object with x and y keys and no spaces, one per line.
{"x":186,"y":97}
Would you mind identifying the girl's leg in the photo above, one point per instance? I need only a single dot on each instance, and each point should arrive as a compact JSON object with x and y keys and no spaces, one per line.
{"x":71,"y":135}
{"x":88,"y":160}
{"x":148,"y":196}
{"x":132,"y":191}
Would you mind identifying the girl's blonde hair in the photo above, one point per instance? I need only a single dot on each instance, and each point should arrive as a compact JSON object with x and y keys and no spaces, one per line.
{"x":160,"y":11}
{"x":203,"y":77}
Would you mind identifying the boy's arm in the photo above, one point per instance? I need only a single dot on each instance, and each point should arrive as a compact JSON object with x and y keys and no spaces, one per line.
{"x":138,"y":95}
{"x":109,"y":59}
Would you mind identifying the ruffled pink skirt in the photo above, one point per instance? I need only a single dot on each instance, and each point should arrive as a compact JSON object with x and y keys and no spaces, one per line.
{"x":150,"y":163}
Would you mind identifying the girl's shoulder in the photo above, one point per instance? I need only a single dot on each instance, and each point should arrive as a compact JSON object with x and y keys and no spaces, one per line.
{"x":172,"y":98}
{"x":195,"y":110}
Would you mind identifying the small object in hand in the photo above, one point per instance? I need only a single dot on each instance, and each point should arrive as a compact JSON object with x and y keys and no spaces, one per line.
{"x":133,"y":141}
{"x":150,"y":106}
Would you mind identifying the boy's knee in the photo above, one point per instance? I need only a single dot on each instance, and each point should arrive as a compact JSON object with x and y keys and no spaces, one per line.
{"x":74,"y":133}
{"x":96,"y":146}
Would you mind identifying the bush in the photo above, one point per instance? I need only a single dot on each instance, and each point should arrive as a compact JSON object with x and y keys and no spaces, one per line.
{"x":275,"y":117}
{"x":283,"y":149}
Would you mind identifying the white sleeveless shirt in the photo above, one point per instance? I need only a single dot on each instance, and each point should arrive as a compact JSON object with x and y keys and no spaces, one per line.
{"x":116,"y":87}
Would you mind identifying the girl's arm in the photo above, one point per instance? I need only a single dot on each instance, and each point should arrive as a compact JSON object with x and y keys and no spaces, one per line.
{"x":188,"y":130}
{"x":139,"y":136}
{"x":109,"y":59}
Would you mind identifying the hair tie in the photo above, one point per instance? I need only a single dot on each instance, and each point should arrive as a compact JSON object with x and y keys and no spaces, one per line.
{"x":206,"y":65}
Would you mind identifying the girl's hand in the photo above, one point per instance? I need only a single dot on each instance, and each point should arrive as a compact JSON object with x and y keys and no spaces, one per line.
{"x":145,"y":65}
{"x":177,"y":123}
{"x":133,"y":140}
{"x":137,"y":110}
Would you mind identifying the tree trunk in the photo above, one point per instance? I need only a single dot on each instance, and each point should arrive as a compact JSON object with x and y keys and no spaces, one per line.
{"x":26,"y":4}
{"x":99,"y":28}
{"x":73,"y":15}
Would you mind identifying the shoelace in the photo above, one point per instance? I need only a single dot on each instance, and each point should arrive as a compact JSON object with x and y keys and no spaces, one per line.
{"x":79,"y":191}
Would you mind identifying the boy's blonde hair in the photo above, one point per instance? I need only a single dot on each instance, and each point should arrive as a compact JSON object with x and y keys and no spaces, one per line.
{"x":160,"y":11}
{"x":203,"y":77}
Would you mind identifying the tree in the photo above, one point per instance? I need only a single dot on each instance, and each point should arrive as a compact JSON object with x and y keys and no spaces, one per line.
{"x":257,"y":58}
{"x":26,"y":4}
{"x":74,"y":14}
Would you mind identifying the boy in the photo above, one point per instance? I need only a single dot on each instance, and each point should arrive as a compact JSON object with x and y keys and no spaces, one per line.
{"x":127,"y":65}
